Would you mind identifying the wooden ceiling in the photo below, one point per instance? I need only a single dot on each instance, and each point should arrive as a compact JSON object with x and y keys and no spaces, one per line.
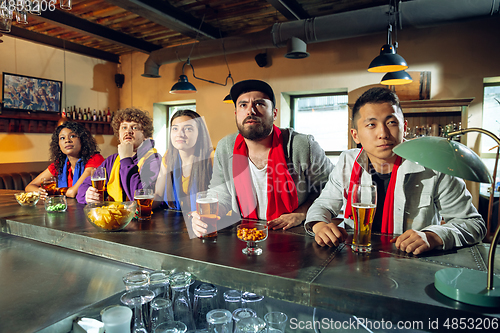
{"x":107,"y":29}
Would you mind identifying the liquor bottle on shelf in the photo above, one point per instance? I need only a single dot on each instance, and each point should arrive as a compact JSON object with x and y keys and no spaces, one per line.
{"x":68,"y":113}
{"x":94,"y":116}
{"x":85,"y":116}
{"x":80,"y":115}
{"x":74,"y":115}
{"x":99,"y":118}
{"x":108,"y":116}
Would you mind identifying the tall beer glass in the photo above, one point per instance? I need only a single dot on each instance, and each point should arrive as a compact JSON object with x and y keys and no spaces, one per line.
{"x":144,"y":198}
{"x":364,"y":203}
{"x":98,"y":178}
{"x":207,"y":206}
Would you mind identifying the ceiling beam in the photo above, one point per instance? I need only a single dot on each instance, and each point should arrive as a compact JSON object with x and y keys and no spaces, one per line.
{"x":75,"y":23}
{"x":289,"y":9}
{"x":163,"y":13}
{"x":62,"y":44}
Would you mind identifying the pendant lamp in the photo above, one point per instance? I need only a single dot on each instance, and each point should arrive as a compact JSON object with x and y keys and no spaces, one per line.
{"x":396,"y":78}
{"x":228,"y":99}
{"x":387,"y":61}
{"x":183,"y":86}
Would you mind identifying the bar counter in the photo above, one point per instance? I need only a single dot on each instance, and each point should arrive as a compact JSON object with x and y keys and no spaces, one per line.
{"x":386,"y":284}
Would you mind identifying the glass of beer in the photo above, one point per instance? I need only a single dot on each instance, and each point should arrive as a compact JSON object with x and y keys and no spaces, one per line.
{"x":49,"y":184}
{"x":207,"y":206}
{"x":144,"y":198}
{"x":98,"y":178}
{"x":364,"y":202}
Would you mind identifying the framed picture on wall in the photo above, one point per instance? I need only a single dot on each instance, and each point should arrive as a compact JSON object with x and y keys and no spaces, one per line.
{"x":27,"y":93}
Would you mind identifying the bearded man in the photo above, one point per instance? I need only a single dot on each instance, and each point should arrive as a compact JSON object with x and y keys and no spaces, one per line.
{"x":264,"y":172}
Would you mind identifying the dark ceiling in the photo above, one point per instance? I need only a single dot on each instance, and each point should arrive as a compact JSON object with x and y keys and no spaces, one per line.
{"x":108,"y":29}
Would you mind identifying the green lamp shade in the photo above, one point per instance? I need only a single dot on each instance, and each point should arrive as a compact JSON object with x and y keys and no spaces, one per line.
{"x":228,"y":100}
{"x":449,"y":157}
{"x":183,"y":86}
{"x":387,"y":61}
{"x":396,"y":78}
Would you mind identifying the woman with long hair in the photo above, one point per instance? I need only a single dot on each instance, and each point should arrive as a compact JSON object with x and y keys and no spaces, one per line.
{"x":74,"y":153}
{"x":187,"y":164}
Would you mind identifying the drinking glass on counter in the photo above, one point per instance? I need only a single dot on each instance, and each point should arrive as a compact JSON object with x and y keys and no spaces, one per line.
{"x":207,"y":206}
{"x":275,"y":322}
{"x":136,"y":298}
{"x":159,"y":283}
{"x":243,"y":313}
{"x":136,"y":279}
{"x":250,"y":325}
{"x":144,"y":198}
{"x":181,"y":303}
{"x":161,"y":312}
{"x":220,"y":321}
{"x":172,"y":327}
{"x":232,"y":299}
{"x":116,"y":319}
{"x":364,"y":203}
{"x":205,"y":300}
{"x":254,"y":302}
{"x":98,"y":178}
{"x":49,"y":184}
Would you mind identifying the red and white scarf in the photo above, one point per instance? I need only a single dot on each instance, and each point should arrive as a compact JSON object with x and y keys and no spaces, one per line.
{"x":388,"y":213}
{"x":281,"y":191}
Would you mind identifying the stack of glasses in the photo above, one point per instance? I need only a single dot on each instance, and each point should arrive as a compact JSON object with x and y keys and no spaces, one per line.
{"x":161,"y":303}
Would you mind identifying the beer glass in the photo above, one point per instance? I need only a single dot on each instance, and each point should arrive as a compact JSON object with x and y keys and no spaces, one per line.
{"x":49,"y":185}
{"x":364,"y":203}
{"x":207,"y":206}
{"x":144,"y":198}
{"x":98,"y":178}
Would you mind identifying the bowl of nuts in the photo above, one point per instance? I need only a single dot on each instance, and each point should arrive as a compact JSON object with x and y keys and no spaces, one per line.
{"x":27,"y":198}
{"x":252,"y":233}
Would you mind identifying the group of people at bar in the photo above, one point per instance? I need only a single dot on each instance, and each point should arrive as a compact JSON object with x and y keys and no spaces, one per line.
{"x":264,"y":172}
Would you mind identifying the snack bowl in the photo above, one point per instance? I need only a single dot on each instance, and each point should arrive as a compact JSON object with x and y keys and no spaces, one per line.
{"x":56,"y":204}
{"x":252,"y":233}
{"x":27,"y":198}
{"x":110,"y":215}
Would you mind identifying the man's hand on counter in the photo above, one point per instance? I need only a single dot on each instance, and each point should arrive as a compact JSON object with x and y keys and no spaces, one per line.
{"x":329,"y":234}
{"x":417,"y":242}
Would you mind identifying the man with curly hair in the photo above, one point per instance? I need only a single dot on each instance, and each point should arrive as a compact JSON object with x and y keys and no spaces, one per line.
{"x":135,"y":166}
{"x":74,"y":153}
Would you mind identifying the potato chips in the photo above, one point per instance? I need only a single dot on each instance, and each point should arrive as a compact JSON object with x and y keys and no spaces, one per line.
{"x":109,"y":217}
{"x":29,"y":198}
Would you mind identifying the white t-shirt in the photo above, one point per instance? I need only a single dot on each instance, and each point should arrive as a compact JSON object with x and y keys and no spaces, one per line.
{"x":259,"y":182}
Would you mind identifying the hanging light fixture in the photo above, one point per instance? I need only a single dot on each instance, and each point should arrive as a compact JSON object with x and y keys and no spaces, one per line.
{"x":228,"y":99}
{"x":65,"y":4}
{"x":389,"y":60}
{"x":396,"y":78}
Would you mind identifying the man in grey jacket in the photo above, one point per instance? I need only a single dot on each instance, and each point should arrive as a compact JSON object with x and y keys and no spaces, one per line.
{"x":265,"y":172}
{"x":412,"y":199}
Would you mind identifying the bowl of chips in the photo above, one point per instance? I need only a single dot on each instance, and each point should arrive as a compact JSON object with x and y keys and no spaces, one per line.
{"x":27,"y":198}
{"x":110,"y":215}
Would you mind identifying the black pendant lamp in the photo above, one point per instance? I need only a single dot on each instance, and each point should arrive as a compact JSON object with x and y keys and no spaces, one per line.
{"x":183,"y":86}
{"x":387,"y":61}
{"x":396,"y":78}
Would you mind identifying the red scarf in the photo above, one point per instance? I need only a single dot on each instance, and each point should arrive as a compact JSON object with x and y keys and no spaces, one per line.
{"x":388,"y":213}
{"x":281,"y":194}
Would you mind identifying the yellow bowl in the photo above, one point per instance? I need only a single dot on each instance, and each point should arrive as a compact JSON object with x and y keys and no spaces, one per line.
{"x":28,"y":198}
{"x":110,"y":215}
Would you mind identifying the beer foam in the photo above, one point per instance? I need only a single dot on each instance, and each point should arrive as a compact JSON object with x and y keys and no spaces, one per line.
{"x":207,"y":200}
{"x":144,"y":196}
{"x":98,"y":179}
{"x":361,"y":205}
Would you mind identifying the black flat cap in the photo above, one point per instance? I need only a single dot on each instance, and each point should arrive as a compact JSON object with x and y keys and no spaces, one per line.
{"x":245,"y":86}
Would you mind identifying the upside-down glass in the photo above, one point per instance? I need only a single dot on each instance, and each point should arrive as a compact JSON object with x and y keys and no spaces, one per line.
{"x":136,"y":298}
{"x":98,"y":178}
{"x":275,"y":322}
{"x":159,"y":283}
{"x":250,"y":325}
{"x":179,"y":283}
{"x":243,"y":313}
{"x":207,"y":206}
{"x":136,"y":279}
{"x":161,"y":312}
{"x":205,"y":300}
{"x":232,"y":299}
{"x":144,"y":198}
{"x":171,"y":327}
{"x":254,"y":302}
{"x":220,"y":321}
{"x":116,"y":319}
{"x":364,"y":203}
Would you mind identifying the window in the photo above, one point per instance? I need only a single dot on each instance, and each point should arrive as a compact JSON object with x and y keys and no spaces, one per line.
{"x":324,"y":116}
{"x":491,"y":114}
